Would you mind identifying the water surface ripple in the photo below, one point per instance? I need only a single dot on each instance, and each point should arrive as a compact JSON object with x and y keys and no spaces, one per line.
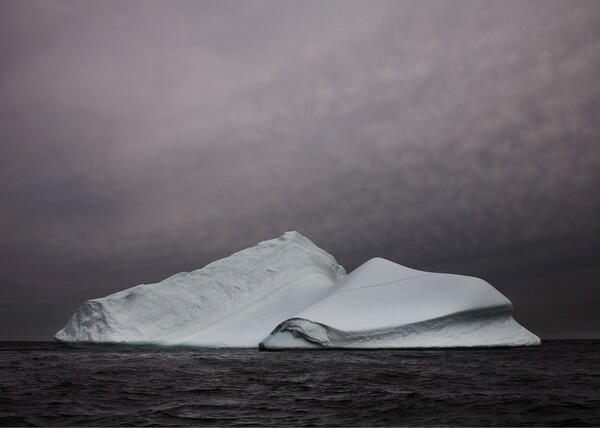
{"x":53,"y":385}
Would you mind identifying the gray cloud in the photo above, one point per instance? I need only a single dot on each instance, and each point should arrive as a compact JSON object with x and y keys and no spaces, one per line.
{"x":139,"y":139}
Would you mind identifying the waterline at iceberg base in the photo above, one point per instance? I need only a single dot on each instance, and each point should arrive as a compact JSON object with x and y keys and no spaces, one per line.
{"x":287,"y":293}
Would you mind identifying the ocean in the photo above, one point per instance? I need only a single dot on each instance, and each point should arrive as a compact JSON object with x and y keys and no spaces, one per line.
{"x":49,"y":384}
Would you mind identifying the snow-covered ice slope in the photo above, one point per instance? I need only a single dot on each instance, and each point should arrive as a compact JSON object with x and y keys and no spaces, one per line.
{"x":232,"y":302}
{"x":384,"y":305}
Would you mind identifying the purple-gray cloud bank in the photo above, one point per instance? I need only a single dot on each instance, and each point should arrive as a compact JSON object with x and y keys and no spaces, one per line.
{"x":142,"y":138}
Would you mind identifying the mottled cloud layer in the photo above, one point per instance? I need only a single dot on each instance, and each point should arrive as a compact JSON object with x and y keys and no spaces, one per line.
{"x":142,"y":138}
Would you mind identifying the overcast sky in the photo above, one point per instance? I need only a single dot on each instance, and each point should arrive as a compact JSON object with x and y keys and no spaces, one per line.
{"x":139,"y":139}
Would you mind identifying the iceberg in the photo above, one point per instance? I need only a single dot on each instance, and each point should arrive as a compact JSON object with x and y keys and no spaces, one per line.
{"x":385,"y":305}
{"x":232,"y":302}
{"x":287,"y":293}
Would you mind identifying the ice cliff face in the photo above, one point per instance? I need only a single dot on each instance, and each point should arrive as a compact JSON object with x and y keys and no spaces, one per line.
{"x":288,"y":293}
{"x":233,"y":302}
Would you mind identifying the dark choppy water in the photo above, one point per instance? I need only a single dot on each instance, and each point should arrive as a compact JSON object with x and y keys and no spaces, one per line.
{"x":49,"y":384}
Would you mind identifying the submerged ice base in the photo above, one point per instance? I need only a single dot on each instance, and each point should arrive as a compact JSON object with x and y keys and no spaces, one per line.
{"x":288,"y":293}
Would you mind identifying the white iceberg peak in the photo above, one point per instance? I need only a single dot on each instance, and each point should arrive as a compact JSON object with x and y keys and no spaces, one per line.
{"x":292,"y":294}
{"x":234,"y":301}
